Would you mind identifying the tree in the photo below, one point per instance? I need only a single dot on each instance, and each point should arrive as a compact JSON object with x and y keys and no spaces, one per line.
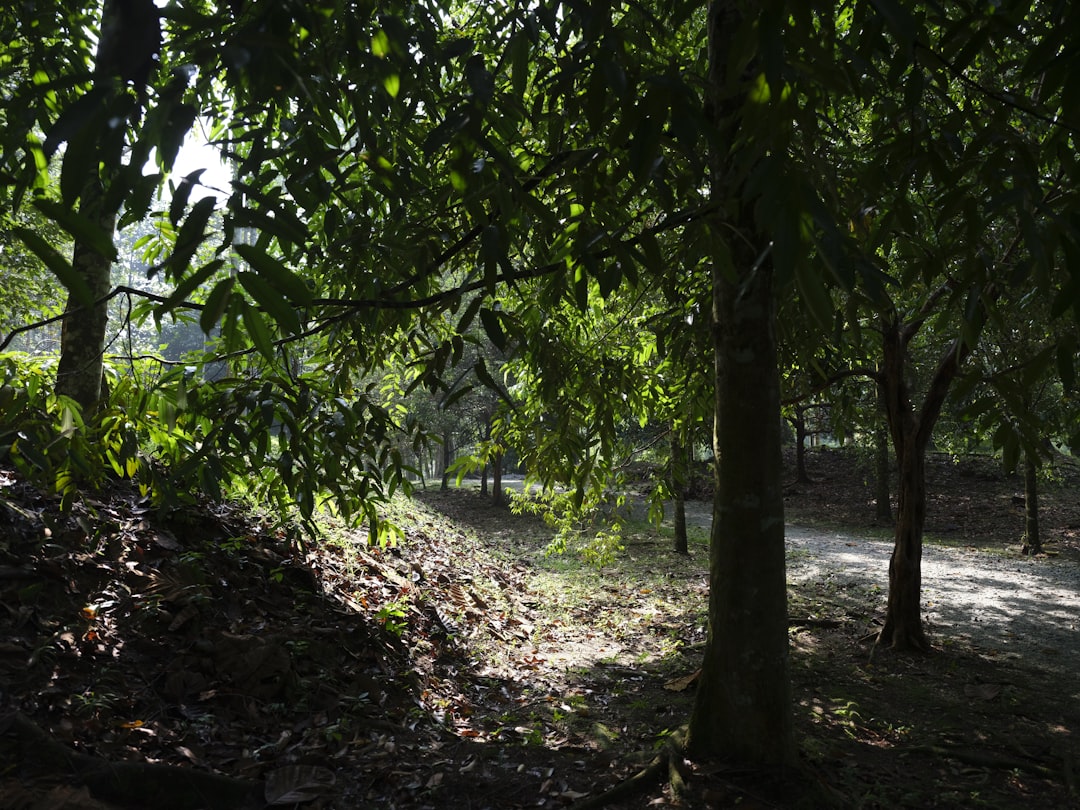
{"x":744,"y":678}
{"x":1013,"y":402}
{"x":968,"y":204}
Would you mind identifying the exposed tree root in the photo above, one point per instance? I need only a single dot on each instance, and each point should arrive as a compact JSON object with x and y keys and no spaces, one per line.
{"x":899,"y":644}
{"x":640,"y":782}
{"x":676,"y":775}
{"x":163,"y":787}
{"x":669,"y":767}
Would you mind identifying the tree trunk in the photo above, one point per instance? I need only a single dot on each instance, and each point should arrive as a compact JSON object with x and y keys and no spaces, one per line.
{"x":680,"y":542}
{"x":1032,"y":538}
{"x":130,"y":38}
{"x":743,"y":706}
{"x":678,"y":490}
{"x":903,"y":629}
{"x":496,"y":479}
{"x":882,"y":490}
{"x":742,"y":711}
{"x":801,"y":475}
{"x":80,"y":371}
{"x":446,"y":458}
{"x":911,"y":431}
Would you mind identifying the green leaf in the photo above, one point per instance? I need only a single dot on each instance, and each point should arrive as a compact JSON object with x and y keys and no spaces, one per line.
{"x":276,"y":274}
{"x":277,"y":306}
{"x":191,"y":283}
{"x":485,"y":377}
{"x":82,"y":228}
{"x":492,"y":323}
{"x":180,"y":122}
{"x":275,"y":220}
{"x":479,"y":79}
{"x":814,"y":295}
{"x":259,"y":332}
{"x":87,"y":113}
{"x":191,"y":236}
{"x":454,"y":396}
{"x":465,"y":323}
{"x":139,"y":200}
{"x":645,"y":148}
{"x":60,"y":267}
{"x":519,"y":48}
{"x":181,"y":195}
{"x":216,"y":302}
{"x":490,"y":253}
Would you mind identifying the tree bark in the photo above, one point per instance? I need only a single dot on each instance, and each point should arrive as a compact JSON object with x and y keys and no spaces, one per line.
{"x":496,"y":479}
{"x":802,"y":476}
{"x":444,"y":462}
{"x":80,"y":371}
{"x":679,"y":465}
{"x":903,"y":629}
{"x":882,"y":490}
{"x":130,"y":38}
{"x":1032,"y":537}
{"x":743,"y":706}
{"x":742,"y":711}
{"x":911,"y":431}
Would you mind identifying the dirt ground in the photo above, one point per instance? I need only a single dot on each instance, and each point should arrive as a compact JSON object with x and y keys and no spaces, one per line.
{"x":198,"y":659}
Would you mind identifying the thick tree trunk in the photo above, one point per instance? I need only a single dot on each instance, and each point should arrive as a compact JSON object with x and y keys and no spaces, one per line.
{"x":130,"y":38}
{"x":80,"y":371}
{"x":742,"y":711}
{"x":743,"y":706}
{"x":678,"y":489}
{"x":1032,"y":537}
{"x":680,"y":542}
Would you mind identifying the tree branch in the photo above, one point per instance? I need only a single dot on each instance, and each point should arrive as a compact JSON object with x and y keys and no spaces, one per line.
{"x":830,"y":381}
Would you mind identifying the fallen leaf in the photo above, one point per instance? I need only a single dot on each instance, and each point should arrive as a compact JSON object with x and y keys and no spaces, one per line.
{"x":684,"y":683}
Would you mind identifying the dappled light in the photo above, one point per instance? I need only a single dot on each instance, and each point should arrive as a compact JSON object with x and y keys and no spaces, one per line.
{"x":467,"y":660}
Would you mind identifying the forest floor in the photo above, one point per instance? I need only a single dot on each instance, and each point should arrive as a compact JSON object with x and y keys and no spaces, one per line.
{"x":196,"y":658}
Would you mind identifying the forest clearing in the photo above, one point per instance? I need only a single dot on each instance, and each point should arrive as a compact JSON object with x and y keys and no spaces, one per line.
{"x":467,"y":668}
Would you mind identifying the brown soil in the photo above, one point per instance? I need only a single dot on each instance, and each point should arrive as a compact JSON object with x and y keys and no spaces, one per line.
{"x":465,"y":668}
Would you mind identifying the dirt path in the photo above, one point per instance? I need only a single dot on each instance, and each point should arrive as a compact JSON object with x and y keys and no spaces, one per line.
{"x":1005,"y":607}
